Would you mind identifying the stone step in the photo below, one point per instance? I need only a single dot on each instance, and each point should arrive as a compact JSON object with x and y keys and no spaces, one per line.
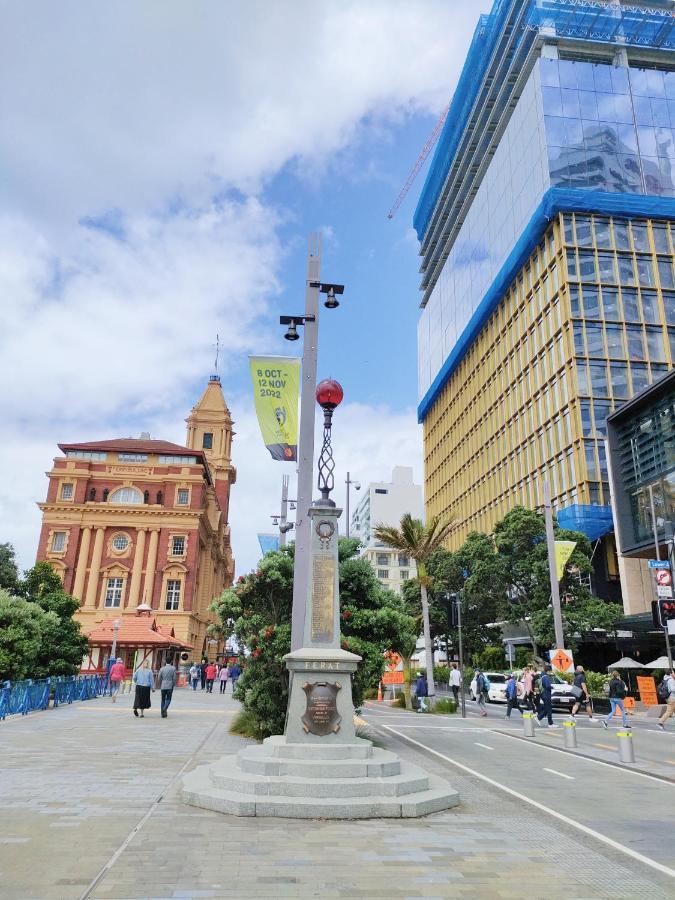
{"x":198,"y":790}
{"x":382,"y":763}
{"x":225,"y":774}
{"x":278,"y":746}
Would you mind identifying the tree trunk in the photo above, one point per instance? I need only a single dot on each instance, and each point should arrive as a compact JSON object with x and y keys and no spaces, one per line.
{"x":407,"y":691}
{"x":428,"y":652}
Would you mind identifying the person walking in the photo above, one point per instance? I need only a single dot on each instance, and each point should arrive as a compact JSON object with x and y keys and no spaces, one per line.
{"x":210,"y":677}
{"x":512,"y":696}
{"x":194,"y":676}
{"x":235,"y":672}
{"x":167,"y":682}
{"x":545,"y":690}
{"x":582,"y":694}
{"x":116,"y":678}
{"x":455,"y":681}
{"x":528,"y":689}
{"x":202,"y":673}
{"x":670,"y":703}
{"x":617,"y":693}
{"x":482,"y":691}
{"x":421,"y":692}
{"x":223,"y":675}
{"x":145,"y":683}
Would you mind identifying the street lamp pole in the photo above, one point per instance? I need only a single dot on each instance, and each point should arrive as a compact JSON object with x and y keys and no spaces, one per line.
{"x":116,"y":631}
{"x":284,"y":511}
{"x":357,"y":487}
{"x":461,"y":654}
{"x":555,"y":587}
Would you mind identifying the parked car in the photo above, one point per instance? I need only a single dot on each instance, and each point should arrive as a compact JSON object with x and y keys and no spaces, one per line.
{"x":561,"y":694}
{"x":497,"y":692}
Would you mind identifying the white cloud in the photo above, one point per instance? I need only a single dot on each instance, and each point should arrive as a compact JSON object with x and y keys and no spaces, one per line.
{"x":163,"y":120}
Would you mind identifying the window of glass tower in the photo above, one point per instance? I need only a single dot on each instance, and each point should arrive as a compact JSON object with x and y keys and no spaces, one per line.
{"x":609,"y":128}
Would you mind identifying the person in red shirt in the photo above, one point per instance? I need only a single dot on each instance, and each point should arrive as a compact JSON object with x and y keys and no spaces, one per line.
{"x":210,"y":677}
{"x":116,"y":679}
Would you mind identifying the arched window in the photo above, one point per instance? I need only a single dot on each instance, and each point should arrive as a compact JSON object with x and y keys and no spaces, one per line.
{"x":126,"y":495}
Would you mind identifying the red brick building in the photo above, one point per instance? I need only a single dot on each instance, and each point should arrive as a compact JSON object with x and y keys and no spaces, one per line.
{"x":136,"y":521}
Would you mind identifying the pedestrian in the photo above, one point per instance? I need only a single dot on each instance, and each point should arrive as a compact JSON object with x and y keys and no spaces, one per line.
{"x":455,"y":681}
{"x":582,"y":694}
{"x":167,"y":682}
{"x":482,"y":691}
{"x":617,"y":693}
{"x":116,"y":678}
{"x":210,"y":677}
{"x":528,"y":689}
{"x":145,"y":683}
{"x":670,"y":707}
{"x":421,"y":692}
{"x":202,"y":674}
{"x":235,"y":672}
{"x":512,"y":696}
{"x":223,"y":675}
{"x":545,"y":689}
{"x":194,"y":676}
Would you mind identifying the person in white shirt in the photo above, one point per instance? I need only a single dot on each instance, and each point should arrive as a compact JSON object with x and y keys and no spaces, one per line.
{"x":455,"y":681}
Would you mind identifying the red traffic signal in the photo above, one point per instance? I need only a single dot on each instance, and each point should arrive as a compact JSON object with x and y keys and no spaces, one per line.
{"x":662,"y":612}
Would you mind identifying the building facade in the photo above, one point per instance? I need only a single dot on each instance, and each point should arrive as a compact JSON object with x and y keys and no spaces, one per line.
{"x":384,"y":503}
{"x":131,"y":523}
{"x":547,"y":236}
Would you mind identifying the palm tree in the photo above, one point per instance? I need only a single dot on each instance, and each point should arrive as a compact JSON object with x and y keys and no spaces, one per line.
{"x":419,"y":541}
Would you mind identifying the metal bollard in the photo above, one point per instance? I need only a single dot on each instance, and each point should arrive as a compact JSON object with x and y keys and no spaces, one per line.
{"x":570,"y":732}
{"x":528,"y":724}
{"x":626,"y":752}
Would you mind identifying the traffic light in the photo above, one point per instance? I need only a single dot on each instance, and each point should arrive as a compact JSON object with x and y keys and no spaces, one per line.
{"x":662,"y":612}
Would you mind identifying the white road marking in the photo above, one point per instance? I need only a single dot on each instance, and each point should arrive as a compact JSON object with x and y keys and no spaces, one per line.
{"x":652,"y":863}
{"x":562,"y":774}
{"x":478,"y":744}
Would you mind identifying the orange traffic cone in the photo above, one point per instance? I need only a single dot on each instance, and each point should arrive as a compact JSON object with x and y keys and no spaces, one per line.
{"x":379,"y":692}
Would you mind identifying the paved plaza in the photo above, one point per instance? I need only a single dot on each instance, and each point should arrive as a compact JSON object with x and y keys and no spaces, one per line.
{"x":90,"y":807}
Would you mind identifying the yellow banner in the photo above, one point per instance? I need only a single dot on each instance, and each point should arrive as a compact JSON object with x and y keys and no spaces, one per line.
{"x":276,"y":386}
{"x":563,"y":551}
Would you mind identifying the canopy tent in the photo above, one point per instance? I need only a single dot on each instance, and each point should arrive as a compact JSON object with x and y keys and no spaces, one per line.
{"x":660,"y":663}
{"x":625,"y":663}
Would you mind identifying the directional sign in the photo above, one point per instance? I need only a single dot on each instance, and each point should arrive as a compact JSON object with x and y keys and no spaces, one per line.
{"x":659,"y":564}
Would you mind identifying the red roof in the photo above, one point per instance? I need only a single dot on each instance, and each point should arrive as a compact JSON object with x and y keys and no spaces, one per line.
{"x":139,"y":631}
{"x":135,"y":445}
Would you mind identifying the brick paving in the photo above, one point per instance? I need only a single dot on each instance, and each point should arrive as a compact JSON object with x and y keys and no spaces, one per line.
{"x":75,"y":782}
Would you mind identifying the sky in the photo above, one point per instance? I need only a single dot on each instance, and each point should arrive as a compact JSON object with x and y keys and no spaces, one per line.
{"x":163,"y":164}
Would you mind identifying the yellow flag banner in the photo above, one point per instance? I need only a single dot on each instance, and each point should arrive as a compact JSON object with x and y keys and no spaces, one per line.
{"x":276,"y":387}
{"x":563,"y":551}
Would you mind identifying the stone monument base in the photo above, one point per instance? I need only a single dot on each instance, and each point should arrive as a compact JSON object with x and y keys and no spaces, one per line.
{"x":308,"y":781}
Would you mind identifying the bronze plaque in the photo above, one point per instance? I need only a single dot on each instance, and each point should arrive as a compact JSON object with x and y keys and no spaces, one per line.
{"x":323,"y":596}
{"x":321,"y":716}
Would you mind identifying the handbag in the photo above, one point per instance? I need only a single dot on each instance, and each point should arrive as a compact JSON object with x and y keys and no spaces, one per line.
{"x":577,"y":691}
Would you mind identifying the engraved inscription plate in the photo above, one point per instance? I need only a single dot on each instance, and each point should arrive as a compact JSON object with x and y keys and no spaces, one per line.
{"x":321,"y":716}
{"x":323,"y":597}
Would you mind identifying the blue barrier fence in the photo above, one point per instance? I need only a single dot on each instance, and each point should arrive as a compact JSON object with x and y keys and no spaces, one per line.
{"x":27,"y":696}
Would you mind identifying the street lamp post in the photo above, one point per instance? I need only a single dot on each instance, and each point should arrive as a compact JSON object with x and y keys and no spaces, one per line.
{"x":116,"y":631}
{"x":357,"y":487}
{"x":454,"y":602}
{"x":310,"y":321}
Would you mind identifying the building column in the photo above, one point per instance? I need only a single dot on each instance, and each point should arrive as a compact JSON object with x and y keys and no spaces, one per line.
{"x":150,"y":568}
{"x":136,"y":572}
{"x":81,"y":569}
{"x":95,"y":571}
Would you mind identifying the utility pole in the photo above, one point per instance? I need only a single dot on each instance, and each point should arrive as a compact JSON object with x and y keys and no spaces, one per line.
{"x":306,"y":441}
{"x":657,"y":549}
{"x":458,"y":601}
{"x":555,"y":587}
{"x":284,"y":511}
{"x":357,"y":487}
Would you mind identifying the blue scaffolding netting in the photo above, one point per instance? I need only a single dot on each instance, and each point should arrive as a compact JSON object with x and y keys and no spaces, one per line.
{"x":593,"y":521}
{"x":586,"y":20}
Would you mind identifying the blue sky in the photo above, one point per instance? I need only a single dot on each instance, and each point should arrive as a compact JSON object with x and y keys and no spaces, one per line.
{"x":164,"y":164}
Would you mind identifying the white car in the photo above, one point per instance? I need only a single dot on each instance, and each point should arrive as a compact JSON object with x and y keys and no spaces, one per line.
{"x":497,"y":692}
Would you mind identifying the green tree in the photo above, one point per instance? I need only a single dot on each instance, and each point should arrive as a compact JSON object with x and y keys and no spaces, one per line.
{"x":419,"y":541}
{"x":62,"y":645}
{"x":9,"y":572}
{"x":21,"y":630}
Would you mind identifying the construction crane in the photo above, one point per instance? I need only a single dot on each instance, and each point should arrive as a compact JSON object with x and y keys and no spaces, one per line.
{"x":426,"y":150}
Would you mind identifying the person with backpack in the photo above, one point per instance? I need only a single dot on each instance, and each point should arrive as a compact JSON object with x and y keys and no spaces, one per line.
{"x":482,"y":691}
{"x":512,"y":696}
{"x":617,"y":693}
{"x":545,"y":691}
{"x":421,"y":692}
{"x":669,"y":684}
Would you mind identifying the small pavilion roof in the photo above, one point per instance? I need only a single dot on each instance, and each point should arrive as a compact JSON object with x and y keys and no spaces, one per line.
{"x":140,"y":631}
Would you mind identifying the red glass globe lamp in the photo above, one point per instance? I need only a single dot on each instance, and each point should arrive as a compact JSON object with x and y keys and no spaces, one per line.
{"x":329,"y":394}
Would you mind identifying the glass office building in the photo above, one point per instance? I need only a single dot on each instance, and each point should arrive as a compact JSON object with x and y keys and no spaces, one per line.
{"x":547,"y":236}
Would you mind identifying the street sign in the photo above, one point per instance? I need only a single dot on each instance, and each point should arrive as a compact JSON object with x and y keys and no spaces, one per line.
{"x":647,"y":688}
{"x":659,"y":564}
{"x":562,"y":660}
{"x":393,"y":678}
{"x":664,"y":577}
{"x":664,"y":591}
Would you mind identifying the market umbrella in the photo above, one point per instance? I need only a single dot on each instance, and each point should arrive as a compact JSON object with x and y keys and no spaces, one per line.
{"x":626,"y":663}
{"x":660,"y":663}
